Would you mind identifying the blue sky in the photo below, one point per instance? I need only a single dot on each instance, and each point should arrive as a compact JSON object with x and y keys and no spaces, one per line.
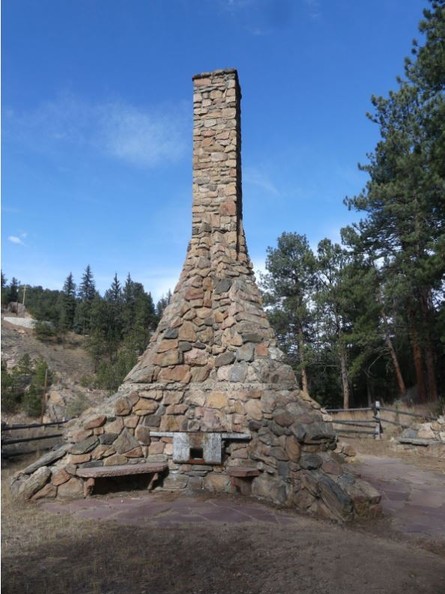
{"x":97,"y":124}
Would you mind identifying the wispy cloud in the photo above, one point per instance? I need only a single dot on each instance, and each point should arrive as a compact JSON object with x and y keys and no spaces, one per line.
{"x":235,"y":6}
{"x":314,"y":8}
{"x":17,"y":240}
{"x":10,"y":209}
{"x":260,"y":179}
{"x":260,"y":17}
{"x":140,"y":136}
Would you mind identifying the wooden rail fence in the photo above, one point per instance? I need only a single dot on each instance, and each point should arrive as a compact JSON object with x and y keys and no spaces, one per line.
{"x":366,"y":426}
{"x":42,"y":436}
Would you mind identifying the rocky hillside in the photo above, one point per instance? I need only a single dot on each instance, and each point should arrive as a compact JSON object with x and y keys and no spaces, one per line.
{"x":70,"y":365}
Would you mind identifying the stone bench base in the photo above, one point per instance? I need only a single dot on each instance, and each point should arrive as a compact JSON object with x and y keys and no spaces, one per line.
{"x":91,"y":474}
{"x":241,"y":478}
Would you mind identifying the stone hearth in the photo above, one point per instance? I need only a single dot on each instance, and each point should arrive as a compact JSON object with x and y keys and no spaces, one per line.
{"x":212,"y":397}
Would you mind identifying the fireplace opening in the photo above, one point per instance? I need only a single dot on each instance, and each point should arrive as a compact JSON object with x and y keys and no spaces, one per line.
{"x":196,"y":454}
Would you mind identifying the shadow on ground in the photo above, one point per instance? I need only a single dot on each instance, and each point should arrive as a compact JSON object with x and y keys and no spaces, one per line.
{"x":158,"y":543}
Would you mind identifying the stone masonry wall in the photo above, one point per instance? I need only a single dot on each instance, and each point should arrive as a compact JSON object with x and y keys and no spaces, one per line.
{"x":213,"y":366}
{"x":217,"y":190}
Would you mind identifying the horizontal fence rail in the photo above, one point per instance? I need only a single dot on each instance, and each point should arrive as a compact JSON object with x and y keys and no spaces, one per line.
{"x":409,"y":414}
{"x":6,"y":442}
{"x":360,"y":423}
{"x":6,"y":427}
{"x":33,"y":433}
{"x":348,"y":410}
{"x":361,"y":432}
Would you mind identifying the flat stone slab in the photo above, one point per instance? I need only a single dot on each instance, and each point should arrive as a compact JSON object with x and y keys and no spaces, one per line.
{"x":413,"y":498}
{"x":46,"y":459}
{"x":121,"y":470}
{"x":168,"y":509}
{"x":419,"y":442}
{"x":242,"y":471}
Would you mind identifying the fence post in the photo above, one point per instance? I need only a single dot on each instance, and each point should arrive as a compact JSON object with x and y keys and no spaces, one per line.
{"x":378,"y":425}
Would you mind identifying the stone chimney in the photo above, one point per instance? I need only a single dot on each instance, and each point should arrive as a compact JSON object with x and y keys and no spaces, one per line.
{"x":217,"y":191}
{"x":212,"y":398}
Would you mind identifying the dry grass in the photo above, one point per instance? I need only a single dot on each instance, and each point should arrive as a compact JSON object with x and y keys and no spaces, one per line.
{"x":38,"y":541}
{"x":419,"y":456}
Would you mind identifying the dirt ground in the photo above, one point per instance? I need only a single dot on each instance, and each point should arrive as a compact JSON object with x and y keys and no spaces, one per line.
{"x":271,"y":551}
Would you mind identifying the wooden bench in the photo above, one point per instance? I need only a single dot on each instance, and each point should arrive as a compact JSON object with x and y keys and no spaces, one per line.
{"x":241,"y":478}
{"x":92,"y":473}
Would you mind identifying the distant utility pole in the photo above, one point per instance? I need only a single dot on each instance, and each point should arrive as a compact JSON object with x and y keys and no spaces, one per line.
{"x":24,"y":294}
{"x":45,"y":388}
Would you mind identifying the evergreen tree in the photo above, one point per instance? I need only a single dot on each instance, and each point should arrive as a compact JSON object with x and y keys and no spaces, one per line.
{"x":114,"y":293}
{"x":13,"y":291}
{"x":87,"y":294}
{"x":129,"y":304}
{"x":69,"y":303}
{"x":288,"y":287}
{"x":24,"y":386}
{"x":45,"y":305}
{"x":332,"y":301}
{"x":101,"y":344}
{"x":427,"y":70}
{"x":114,"y":300}
{"x":163,"y":303}
{"x":4,"y":290}
{"x":87,"y":287}
{"x":404,"y":199}
{"x":145,"y":320}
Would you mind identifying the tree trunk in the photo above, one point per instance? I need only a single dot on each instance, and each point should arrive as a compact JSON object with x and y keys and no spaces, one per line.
{"x":395,"y":362}
{"x":369,"y":391}
{"x":418,"y":366}
{"x":344,"y":378}
{"x":304,"y":380}
{"x":392,"y":352}
{"x":431,"y":374}
{"x":432,"y":394}
{"x":400,"y":381}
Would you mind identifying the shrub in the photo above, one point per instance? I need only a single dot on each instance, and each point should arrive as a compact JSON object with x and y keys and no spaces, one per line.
{"x":23,"y":387}
{"x":32,"y":402}
{"x":44,"y":331}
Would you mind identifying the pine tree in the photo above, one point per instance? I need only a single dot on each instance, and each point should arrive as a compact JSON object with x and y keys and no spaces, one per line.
{"x":288,"y":286}
{"x":332,"y":304}
{"x":87,"y":287}
{"x":69,"y":304}
{"x":87,"y":294}
{"x":13,"y":291}
{"x":114,"y":293}
{"x":163,"y":303}
{"x":404,"y":199}
{"x":4,"y":290}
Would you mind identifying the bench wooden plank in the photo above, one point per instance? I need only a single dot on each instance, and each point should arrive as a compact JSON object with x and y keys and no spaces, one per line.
{"x":121,"y":470}
{"x":243,"y":471}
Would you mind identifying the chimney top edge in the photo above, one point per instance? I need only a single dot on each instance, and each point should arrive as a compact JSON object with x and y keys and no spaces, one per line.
{"x":216,"y":72}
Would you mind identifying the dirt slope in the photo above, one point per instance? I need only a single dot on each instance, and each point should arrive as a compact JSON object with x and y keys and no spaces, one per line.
{"x":69,"y":363}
